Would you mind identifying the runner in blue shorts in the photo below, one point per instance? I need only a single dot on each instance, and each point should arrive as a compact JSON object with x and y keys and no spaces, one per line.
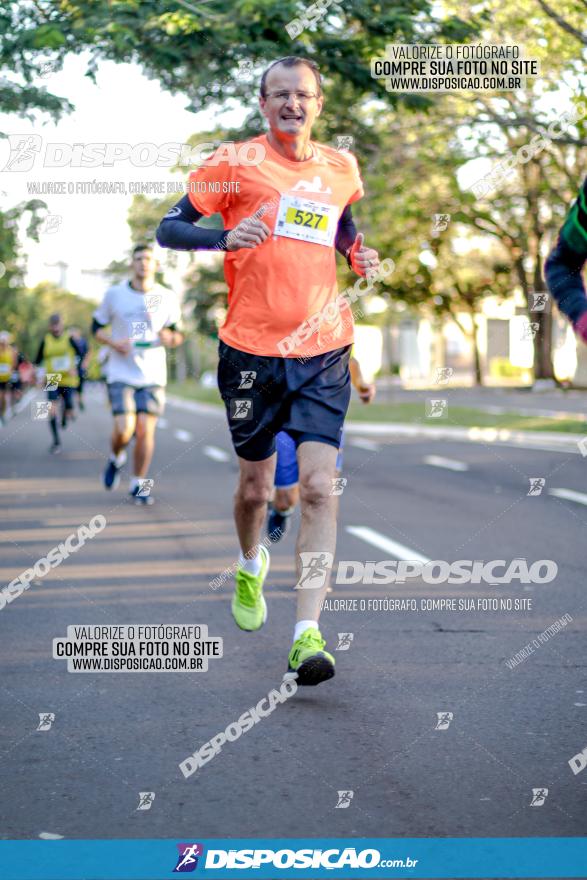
{"x":286,"y":494}
{"x":145,"y":320}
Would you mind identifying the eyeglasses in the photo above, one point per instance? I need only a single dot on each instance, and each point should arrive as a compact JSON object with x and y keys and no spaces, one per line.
{"x":301,"y":97}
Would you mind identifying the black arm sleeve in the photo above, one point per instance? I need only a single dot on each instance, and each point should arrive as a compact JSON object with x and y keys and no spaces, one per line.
{"x":40,"y":354}
{"x":562,"y":272}
{"x":177,"y":230}
{"x":96,"y":326}
{"x":562,"y":269}
{"x":346,"y":232}
{"x":77,"y":348}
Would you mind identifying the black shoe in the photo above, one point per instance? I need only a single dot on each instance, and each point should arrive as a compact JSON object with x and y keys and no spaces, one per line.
{"x":55,"y":449}
{"x":277,"y":524}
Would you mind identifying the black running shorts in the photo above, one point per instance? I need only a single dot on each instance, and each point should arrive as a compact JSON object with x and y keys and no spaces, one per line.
{"x":265,"y":395}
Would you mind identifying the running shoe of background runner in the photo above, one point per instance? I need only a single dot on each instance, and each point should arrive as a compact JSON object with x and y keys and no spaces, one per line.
{"x":141,"y":500}
{"x":277,"y":524}
{"x":112,"y":474}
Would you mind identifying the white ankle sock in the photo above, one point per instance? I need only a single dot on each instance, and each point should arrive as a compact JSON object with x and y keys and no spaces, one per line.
{"x":119,"y":459}
{"x":133,"y":483}
{"x":302,"y":626}
{"x":251,"y":564}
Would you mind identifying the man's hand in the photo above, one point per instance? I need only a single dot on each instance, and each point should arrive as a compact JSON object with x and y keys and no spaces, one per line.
{"x":364,"y":260}
{"x":122,"y":346}
{"x":580,"y":327}
{"x":366,"y":391}
{"x":249,"y":233}
{"x":169,"y":338}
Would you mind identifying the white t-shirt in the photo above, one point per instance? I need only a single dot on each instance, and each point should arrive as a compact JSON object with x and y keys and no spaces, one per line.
{"x":139,"y":317}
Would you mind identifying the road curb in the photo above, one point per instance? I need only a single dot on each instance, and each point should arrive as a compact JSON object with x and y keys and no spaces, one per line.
{"x":566,"y":442}
{"x":556,"y":440}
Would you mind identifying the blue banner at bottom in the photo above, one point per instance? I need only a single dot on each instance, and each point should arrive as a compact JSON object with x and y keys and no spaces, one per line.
{"x":306,"y":858}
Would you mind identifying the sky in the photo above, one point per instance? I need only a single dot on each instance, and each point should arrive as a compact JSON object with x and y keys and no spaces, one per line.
{"x":91,"y":230}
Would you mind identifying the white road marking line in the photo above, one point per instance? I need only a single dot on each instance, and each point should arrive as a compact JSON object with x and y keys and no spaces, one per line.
{"x":48,"y":835}
{"x":569,"y":495}
{"x":182,"y":435}
{"x":215,"y":453}
{"x":24,"y":400}
{"x":162,"y":423}
{"x":397,"y":550}
{"x":363,"y":443}
{"x":451,"y":464}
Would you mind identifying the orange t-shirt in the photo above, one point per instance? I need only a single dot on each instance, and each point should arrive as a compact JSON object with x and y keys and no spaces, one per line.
{"x":276,"y":286}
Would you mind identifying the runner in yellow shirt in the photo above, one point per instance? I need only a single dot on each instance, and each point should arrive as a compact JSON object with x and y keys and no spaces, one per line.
{"x":58,"y":354}
{"x":7,"y":366}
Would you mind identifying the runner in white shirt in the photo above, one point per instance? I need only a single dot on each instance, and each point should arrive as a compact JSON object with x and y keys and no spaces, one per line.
{"x":144,"y":319}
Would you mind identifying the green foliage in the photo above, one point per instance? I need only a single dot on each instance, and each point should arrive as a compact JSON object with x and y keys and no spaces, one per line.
{"x":145,"y":215}
{"x":195,"y":48}
{"x":23,"y":312}
{"x":12,"y":312}
{"x":28,"y":320}
{"x":412,"y":148}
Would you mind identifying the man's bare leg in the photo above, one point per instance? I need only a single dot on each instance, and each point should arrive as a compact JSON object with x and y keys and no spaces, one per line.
{"x":123,"y":429}
{"x":250,"y":502}
{"x":3,"y":397}
{"x":249,"y":608}
{"x":317,"y":534}
{"x":285,"y":499}
{"x":144,"y":443}
{"x":53,"y":426}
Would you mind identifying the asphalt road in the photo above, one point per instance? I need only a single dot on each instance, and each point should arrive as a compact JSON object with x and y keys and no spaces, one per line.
{"x":372,"y":729}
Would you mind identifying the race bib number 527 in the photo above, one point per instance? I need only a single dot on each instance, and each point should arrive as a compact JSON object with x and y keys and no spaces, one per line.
{"x":306,"y":220}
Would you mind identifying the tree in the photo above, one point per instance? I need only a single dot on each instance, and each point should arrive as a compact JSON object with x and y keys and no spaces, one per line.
{"x":12,"y":265}
{"x":525,"y":207}
{"x":207,"y":51}
{"x":43,"y":300}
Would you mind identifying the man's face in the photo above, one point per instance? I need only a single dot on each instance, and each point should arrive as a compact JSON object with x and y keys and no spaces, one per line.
{"x":144,"y":265}
{"x":57,"y":328}
{"x":290,"y":117}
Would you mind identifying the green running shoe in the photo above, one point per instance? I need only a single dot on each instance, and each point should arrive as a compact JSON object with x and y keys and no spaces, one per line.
{"x":248,"y":603}
{"x":309,"y":664}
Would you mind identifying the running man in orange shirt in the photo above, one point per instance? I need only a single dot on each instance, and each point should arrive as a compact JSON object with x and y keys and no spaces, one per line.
{"x":285,"y":344}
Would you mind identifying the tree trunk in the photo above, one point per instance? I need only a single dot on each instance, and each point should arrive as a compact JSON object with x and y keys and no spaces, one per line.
{"x":543,"y":368}
{"x":473,"y":337}
{"x":476,"y":354}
